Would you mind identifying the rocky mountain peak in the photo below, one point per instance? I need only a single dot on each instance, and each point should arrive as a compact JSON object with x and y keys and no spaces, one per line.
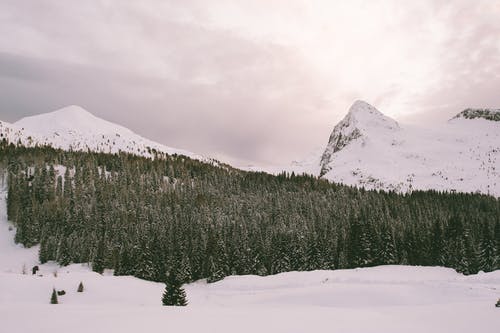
{"x":362,"y":119}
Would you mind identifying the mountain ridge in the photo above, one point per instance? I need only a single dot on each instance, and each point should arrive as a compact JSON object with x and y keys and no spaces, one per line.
{"x":69,"y":118}
{"x":365,"y":149}
{"x":74,"y":128}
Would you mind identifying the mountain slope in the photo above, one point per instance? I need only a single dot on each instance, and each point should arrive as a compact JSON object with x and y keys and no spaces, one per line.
{"x":371,"y":150}
{"x":73,"y":128}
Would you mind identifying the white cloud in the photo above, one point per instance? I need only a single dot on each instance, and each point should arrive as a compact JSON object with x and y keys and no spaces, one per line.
{"x":256,"y":80}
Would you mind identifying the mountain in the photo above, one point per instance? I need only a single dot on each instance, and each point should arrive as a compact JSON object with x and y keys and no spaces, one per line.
{"x":363,"y":123}
{"x":366,"y":149}
{"x":371,"y":150}
{"x":74,"y":128}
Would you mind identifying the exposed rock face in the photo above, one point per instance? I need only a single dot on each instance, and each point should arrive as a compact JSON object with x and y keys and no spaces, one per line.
{"x":361,"y":119}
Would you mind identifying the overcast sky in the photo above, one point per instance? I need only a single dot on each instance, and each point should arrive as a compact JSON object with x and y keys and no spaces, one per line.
{"x":256,"y":81}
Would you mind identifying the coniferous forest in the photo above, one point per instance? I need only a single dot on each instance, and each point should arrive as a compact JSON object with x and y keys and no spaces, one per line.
{"x":152,"y":217}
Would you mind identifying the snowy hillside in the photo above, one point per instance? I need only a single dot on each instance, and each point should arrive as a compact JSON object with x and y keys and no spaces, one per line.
{"x":372,"y":150}
{"x":380,"y":299}
{"x":368,"y":149}
{"x":77,"y":129}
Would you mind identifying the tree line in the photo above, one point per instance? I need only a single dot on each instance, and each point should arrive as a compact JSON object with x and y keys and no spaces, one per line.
{"x":173,"y":215}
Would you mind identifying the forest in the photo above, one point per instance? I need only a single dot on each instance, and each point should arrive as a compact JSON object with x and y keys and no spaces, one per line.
{"x":172,"y":214}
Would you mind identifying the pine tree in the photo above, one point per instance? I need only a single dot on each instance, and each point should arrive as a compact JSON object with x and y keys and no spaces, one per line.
{"x":64,"y":256}
{"x":437,"y":244}
{"x":98,"y":262}
{"x":497,"y":243}
{"x":80,"y":288}
{"x":215,"y":271}
{"x":185,"y":271}
{"x":53,"y":298}
{"x":387,"y":253}
{"x":487,"y":251}
{"x":174,"y":294}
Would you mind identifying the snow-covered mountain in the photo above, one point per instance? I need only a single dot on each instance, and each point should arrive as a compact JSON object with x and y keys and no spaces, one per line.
{"x":372,"y":150}
{"x":366,"y":148}
{"x":77,"y":129}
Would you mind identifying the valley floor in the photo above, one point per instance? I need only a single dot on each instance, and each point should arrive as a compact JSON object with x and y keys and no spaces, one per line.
{"x":379,"y":299}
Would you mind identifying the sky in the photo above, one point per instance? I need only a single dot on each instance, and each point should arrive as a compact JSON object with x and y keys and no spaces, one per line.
{"x":248,"y":82}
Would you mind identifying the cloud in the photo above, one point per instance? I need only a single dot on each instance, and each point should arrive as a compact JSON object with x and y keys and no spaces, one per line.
{"x":255,"y":81}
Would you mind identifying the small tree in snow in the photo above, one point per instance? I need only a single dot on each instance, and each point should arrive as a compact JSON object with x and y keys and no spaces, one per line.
{"x":174,"y":294}
{"x":53,"y":298}
{"x":80,"y":288}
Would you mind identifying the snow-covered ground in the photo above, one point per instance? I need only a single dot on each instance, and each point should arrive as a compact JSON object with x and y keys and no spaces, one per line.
{"x":379,"y":299}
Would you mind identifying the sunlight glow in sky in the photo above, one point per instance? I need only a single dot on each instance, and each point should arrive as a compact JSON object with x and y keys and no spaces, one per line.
{"x":247,"y":81}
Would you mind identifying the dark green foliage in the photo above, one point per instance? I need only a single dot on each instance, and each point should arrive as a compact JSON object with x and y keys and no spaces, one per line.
{"x":142,"y":217}
{"x":174,"y":294}
{"x":98,"y":261}
{"x":80,"y":288}
{"x":53,"y":297}
{"x":387,"y":251}
{"x":493,"y":115}
{"x":487,"y":250}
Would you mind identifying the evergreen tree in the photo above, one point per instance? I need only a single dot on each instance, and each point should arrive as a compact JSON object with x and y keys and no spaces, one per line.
{"x":387,"y":253}
{"x":53,"y":297}
{"x":497,"y":243}
{"x":437,"y":244}
{"x":80,"y":288}
{"x":98,"y":263}
{"x":174,"y":294}
{"x":487,"y":252}
{"x":215,"y":271}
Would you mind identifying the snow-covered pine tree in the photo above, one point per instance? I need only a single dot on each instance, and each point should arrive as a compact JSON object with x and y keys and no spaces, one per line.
{"x":387,"y":253}
{"x":216,"y":273}
{"x":487,"y":251}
